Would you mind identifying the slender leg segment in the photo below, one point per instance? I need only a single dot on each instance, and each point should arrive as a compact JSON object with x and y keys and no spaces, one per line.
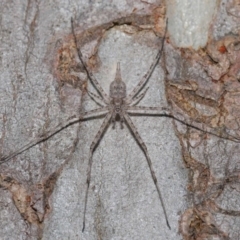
{"x":149,"y":110}
{"x":98,"y":100}
{"x":92,"y":148}
{"x":144,"y":148}
{"x":94,"y":113}
{"x":50,"y":133}
{"x":193,"y":123}
{"x":89,"y":73}
{"x":146,"y":77}
{"x":137,"y":99}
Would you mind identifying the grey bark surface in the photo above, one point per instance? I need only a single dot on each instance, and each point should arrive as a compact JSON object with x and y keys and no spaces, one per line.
{"x":42,"y":85}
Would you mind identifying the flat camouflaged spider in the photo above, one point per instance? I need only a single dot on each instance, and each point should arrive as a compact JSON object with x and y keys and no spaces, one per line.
{"x":118,"y":106}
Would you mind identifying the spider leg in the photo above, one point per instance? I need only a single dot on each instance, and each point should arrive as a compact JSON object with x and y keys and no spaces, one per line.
{"x":92,"y":148}
{"x":93,"y":113}
{"x":144,"y":148}
{"x":146,"y":77}
{"x":148,"y":110}
{"x":48,"y":134}
{"x":89,"y":73}
{"x":98,"y":100}
{"x":166,"y":112}
{"x":137,"y":99}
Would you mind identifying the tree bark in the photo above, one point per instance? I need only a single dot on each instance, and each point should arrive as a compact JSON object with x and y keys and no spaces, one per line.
{"x":195,"y":158}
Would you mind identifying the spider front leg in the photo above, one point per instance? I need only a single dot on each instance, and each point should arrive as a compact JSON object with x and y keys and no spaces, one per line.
{"x":134,"y":131}
{"x":92,"y":148}
{"x":146,"y":77}
{"x":98,"y":100}
{"x":138,"y":98}
{"x":89,"y":73}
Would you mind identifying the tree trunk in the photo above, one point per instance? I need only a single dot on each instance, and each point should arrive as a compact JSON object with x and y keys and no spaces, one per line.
{"x":194,"y":150}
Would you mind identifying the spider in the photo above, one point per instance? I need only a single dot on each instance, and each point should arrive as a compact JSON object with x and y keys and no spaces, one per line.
{"x":116,"y":106}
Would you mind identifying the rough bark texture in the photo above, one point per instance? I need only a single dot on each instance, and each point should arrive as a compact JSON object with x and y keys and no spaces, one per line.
{"x":43,"y":84}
